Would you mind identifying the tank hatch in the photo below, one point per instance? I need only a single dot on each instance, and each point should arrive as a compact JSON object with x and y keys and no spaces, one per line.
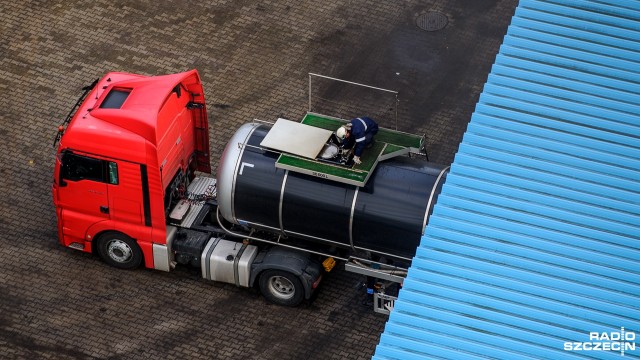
{"x":319,"y":156}
{"x":296,"y":138}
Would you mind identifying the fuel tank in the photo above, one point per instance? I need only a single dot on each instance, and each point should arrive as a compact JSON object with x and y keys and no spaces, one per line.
{"x":385,"y":217}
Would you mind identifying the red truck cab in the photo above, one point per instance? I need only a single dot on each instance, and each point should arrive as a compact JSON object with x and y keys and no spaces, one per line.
{"x":127,"y":142}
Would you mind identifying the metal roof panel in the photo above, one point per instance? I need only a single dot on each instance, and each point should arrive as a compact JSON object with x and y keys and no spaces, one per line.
{"x":535,"y":239}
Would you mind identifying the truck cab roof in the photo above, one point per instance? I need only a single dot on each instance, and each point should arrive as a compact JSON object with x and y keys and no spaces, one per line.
{"x":127,"y":110}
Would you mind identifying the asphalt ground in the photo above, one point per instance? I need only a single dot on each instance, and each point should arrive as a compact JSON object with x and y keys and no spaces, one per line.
{"x":254,"y":58}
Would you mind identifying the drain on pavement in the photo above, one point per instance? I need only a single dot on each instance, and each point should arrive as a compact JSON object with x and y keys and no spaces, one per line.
{"x":432,"y":21}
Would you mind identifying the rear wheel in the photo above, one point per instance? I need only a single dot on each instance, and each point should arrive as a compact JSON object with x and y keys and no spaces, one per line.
{"x":281,"y":287}
{"x":119,"y":250}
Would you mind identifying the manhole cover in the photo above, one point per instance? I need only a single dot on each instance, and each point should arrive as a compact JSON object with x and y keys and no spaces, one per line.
{"x":432,"y":21}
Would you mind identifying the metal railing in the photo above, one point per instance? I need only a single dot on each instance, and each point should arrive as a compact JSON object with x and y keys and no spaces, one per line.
{"x":311,"y":75}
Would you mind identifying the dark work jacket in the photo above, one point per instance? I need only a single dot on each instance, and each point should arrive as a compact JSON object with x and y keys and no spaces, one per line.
{"x":362,"y":131}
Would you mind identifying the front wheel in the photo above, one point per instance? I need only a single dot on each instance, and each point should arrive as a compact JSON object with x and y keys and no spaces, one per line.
{"x":119,"y":250}
{"x":281,"y":287}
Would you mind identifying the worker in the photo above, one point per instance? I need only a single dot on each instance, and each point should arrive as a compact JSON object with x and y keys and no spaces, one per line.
{"x":357,"y":134}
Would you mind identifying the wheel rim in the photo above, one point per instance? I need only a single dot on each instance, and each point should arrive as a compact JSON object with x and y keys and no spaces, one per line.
{"x":119,"y":251}
{"x":281,"y":287}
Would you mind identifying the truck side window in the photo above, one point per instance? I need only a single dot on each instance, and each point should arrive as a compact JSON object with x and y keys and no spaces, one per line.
{"x":76,"y":168}
{"x":113,"y":173}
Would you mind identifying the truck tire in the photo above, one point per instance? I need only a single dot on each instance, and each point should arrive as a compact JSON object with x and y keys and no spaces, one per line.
{"x":119,"y":250}
{"x":281,"y":287}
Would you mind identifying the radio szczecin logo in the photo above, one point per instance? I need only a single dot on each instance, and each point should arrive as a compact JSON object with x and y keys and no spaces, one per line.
{"x":619,"y":341}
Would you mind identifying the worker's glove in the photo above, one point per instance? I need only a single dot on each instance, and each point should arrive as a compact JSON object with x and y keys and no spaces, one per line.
{"x":356,"y":159}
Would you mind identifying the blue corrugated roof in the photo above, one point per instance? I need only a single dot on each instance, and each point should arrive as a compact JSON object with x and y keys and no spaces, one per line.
{"x":535,"y":240}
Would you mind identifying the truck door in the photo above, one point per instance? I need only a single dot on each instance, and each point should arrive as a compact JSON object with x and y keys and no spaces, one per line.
{"x":82,"y":195}
{"x":126,"y":200}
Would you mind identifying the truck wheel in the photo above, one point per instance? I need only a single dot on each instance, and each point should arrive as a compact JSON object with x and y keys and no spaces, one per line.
{"x":281,"y":287}
{"x":119,"y":250}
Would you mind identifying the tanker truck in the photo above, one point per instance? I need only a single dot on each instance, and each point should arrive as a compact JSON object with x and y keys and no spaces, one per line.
{"x":287,"y":203}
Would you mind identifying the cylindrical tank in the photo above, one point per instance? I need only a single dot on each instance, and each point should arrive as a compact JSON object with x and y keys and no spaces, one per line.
{"x":387,"y":216}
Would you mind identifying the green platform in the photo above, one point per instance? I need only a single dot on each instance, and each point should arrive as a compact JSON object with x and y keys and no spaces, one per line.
{"x":388,"y":144}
